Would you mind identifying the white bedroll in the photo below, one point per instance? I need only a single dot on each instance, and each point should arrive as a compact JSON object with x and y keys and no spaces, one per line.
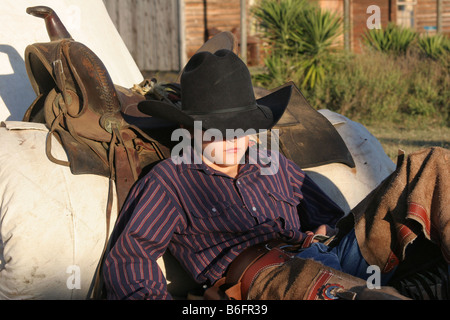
{"x":348,"y":186}
{"x":53,"y":225}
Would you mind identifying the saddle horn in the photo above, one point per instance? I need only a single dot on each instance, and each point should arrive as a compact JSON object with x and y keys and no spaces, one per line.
{"x":81,"y":77}
{"x":55,"y":28}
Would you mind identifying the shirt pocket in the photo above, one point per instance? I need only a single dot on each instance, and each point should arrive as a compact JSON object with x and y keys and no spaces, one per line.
{"x":223,"y":217}
{"x":280,"y":198}
{"x":285,"y":207}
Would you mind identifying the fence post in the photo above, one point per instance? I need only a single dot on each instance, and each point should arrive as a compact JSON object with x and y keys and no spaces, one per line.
{"x":439,"y":16}
{"x":347,"y":24}
{"x":243,"y":31}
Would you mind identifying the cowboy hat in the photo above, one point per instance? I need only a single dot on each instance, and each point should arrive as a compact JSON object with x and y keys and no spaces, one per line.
{"x":216,"y":89}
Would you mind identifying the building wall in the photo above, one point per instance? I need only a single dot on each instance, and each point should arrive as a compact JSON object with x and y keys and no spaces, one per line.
{"x":201,"y":16}
{"x":359,"y":17}
{"x":425,"y":16}
{"x":337,"y":7}
{"x":420,"y":15}
{"x":162,"y":34}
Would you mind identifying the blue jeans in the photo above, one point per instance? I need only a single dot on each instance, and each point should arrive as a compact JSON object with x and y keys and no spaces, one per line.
{"x":345,"y":257}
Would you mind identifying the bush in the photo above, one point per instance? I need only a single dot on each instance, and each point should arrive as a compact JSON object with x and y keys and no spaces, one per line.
{"x":400,"y":40}
{"x":393,"y":39}
{"x":375,"y":87}
{"x":435,"y":47}
{"x":279,"y":69}
{"x":362,"y":87}
{"x":402,"y":77}
{"x":300,"y":33}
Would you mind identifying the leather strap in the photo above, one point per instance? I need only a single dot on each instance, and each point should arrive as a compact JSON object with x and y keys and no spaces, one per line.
{"x":272,"y":258}
{"x":244,"y":269}
{"x":246,"y":258}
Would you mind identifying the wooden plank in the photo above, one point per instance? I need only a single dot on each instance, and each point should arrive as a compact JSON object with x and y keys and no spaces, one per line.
{"x":150,"y":30}
{"x":144,"y":37}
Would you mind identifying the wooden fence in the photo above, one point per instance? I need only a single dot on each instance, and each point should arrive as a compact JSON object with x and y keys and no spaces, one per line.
{"x":151,"y":30}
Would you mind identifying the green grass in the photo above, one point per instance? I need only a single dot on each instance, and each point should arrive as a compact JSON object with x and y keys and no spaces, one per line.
{"x":410,"y":139}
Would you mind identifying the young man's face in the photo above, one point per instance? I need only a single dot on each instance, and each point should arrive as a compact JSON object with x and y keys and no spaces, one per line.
{"x":223,"y":152}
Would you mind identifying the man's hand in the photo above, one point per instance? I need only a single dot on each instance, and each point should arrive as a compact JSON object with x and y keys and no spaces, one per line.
{"x":325,"y":230}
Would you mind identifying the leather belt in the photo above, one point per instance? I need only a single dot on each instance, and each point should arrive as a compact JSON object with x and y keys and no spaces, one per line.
{"x":246,"y":266}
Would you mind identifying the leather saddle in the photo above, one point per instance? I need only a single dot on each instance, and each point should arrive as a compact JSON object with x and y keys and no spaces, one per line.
{"x":86,"y":112}
{"x":306,"y":136}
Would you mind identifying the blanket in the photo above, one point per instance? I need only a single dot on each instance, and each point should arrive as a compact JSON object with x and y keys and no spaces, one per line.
{"x":413,"y":200}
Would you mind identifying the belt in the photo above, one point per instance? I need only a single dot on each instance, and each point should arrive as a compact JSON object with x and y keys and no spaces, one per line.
{"x":246,"y":266}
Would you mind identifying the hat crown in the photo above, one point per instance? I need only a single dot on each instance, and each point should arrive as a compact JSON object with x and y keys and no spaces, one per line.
{"x":216,"y":89}
{"x":216,"y":82}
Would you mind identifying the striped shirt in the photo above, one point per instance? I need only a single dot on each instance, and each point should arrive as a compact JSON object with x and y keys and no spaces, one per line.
{"x":206,"y":218}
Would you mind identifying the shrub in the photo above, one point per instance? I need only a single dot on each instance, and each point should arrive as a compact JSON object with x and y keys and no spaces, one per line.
{"x":278,"y":70}
{"x":400,"y":40}
{"x":362,"y":87}
{"x":393,"y":39}
{"x":300,"y":32}
{"x":435,"y":47}
{"x":375,"y":87}
{"x":403,"y":77}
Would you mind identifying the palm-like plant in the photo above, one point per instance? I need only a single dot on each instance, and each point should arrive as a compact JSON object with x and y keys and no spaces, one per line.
{"x":320,"y":30}
{"x":276,"y":19}
{"x":435,"y":47}
{"x":392,"y":39}
{"x":301,"y":31}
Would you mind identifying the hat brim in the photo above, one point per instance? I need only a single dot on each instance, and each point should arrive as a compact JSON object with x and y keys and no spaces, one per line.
{"x":268,"y":112}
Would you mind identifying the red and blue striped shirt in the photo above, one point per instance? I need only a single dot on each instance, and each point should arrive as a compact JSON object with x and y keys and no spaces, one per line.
{"x":206,"y":218}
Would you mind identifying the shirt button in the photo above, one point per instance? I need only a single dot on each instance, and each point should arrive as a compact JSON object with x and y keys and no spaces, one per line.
{"x":214,"y":210}
{"x":254,"y":208}
{"x":238,"y":182}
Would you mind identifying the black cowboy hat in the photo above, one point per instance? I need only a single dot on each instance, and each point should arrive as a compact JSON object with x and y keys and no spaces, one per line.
{"x":216,"y":89}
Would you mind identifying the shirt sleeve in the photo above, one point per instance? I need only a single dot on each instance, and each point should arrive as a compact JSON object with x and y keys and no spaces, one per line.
{"x":316,"y":207}
{"x":148,"y":220}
